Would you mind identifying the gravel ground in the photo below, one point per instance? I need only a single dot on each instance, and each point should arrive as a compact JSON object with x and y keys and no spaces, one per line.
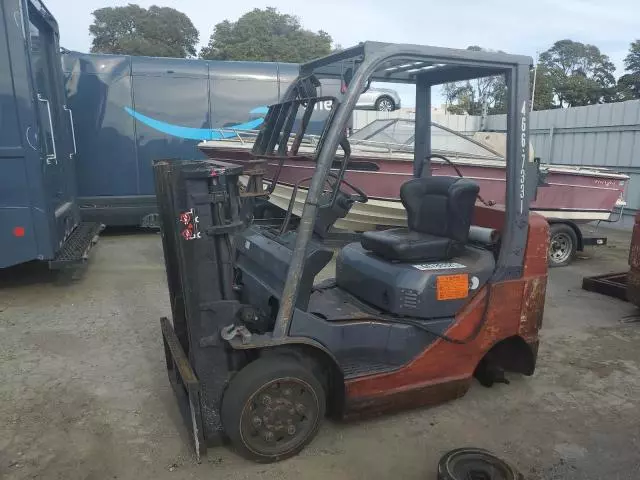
{"x":84,"y":392}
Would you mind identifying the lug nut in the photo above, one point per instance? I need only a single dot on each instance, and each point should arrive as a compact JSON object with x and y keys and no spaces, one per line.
{"x":266,"y":400}
{"x":291,"y":430}
{"x":299,"y":408}
{"x":257,"y":421}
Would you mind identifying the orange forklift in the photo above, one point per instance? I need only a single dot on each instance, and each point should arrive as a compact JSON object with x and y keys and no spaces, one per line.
{"x":258,"y":351}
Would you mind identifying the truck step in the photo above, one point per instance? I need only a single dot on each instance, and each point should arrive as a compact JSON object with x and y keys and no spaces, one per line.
{"x":76,"y":248}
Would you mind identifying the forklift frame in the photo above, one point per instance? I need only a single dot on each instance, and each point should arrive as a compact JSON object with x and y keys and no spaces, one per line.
{"x":201,"y":200}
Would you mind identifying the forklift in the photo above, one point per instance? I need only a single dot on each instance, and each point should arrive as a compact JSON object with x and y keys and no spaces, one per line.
{"x":259,"y":351}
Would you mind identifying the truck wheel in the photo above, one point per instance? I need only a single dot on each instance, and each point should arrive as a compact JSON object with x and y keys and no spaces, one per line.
{"x":563,"y":244}
{"x":272,"y":409}
{"x":475,"y":464}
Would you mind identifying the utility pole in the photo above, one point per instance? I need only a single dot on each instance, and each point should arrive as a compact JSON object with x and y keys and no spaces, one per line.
{"x":535,"y":75}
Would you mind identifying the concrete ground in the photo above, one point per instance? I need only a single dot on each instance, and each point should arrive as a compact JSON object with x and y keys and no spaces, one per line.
{"x":84,"y":392}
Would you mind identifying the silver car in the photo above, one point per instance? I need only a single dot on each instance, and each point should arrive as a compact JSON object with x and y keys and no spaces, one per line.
{"x":381,"y":99}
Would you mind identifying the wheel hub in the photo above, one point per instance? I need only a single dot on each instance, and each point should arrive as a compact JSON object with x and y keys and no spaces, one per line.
{"x":560,"y":247}
{"x":278,"y":415}
{"x":384,"y":106}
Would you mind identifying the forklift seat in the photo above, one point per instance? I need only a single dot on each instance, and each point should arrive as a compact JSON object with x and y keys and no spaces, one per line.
{"x":439,"y":211}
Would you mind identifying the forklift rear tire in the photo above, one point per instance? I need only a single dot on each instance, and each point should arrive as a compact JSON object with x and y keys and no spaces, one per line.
{"x":563,"y":245}
{"x":475,"y":463}
{"x":272,"y":409}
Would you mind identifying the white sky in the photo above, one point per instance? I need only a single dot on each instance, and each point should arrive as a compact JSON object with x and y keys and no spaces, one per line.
{"x":515,"y":26}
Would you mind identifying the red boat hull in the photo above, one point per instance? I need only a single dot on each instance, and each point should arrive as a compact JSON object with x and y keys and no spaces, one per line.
{"x":579,"y":195}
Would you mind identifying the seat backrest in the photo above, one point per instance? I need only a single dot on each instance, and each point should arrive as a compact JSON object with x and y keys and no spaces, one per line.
{"x":441,"y":206}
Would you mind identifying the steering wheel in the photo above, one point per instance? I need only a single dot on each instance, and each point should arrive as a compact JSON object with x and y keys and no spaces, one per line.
{"x":489,"y":203}
{"x":359,"y":196}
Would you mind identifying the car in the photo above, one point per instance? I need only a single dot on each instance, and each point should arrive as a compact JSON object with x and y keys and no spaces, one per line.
{"x":380,"y":99}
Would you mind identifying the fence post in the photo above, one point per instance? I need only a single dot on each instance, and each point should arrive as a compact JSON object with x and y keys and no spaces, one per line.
{"x":550,"y":151}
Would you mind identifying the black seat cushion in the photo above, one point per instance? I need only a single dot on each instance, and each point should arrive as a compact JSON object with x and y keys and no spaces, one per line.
{"x":406,"y":246}
{"x":439,"y":211}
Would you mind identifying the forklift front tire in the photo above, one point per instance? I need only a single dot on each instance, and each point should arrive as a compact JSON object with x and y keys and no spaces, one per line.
{"x":272,"y":409}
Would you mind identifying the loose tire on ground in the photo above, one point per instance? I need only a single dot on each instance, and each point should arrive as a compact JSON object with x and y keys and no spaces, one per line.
{"x":475,"y":464}
{"x":563,"y":245}
{"x":272,"y":409}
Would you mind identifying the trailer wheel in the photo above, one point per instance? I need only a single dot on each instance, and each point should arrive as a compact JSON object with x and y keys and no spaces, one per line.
{"x":475,"y":464}
{"x":563,"y":245}
{"x":272,"y":409}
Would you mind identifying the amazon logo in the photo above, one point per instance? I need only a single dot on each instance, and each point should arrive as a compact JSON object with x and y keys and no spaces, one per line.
{"x":199,"y":133}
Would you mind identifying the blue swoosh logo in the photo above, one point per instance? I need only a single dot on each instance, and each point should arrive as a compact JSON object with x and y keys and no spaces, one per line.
{"x":197,"y":133}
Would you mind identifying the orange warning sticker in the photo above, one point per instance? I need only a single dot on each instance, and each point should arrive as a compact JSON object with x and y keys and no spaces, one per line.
{"x":452,"y":287}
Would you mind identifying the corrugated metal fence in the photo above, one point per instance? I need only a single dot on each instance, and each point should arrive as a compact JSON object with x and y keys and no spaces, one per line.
{"x":599,"y":136}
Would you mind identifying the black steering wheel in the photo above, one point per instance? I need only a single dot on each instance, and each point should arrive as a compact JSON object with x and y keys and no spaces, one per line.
{"x":359,"y":196}
{"x":489,"y":203}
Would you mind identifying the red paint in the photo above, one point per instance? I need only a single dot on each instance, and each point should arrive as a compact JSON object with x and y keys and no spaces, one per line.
{"x":18,"y":231}
{"x":633,"y":277}
{"x":445,"y":370}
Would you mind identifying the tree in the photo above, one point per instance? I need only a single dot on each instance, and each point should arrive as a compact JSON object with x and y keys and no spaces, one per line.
{"x":579,"y":74}
{"x":543,"y":98}
{"x":266,"y":35}
{"x":475,"y":97}
{"x":132,"y":30}
{"x":629,"y":83}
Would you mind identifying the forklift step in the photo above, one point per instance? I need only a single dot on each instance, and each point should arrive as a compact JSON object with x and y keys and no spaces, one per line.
{"x":76,"y":248}
{"x":353,"y":368}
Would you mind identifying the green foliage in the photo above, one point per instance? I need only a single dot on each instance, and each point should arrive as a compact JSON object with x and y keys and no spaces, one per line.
{"x":266,"y":35}
{"x":132,"y":30}
{"x":473,"y":96}
{"x":629,"y":84}
{"x":543,"y":98}
{"x":579,"y":74}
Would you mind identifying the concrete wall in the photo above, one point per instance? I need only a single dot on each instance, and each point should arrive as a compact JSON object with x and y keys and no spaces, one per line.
{"x":599,"y":136}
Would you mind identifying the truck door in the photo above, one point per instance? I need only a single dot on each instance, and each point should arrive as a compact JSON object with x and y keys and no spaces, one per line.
{"x":54,"y":119}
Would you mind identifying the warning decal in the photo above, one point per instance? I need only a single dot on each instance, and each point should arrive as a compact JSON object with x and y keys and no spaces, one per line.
{"x":452,"y":287}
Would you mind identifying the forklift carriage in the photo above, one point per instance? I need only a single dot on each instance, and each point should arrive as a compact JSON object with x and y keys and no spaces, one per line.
{"x":258,"y":351}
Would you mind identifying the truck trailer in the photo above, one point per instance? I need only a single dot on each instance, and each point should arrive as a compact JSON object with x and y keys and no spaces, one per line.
{"x":39,"y":214}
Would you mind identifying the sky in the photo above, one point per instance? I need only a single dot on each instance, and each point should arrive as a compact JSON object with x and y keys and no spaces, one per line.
{"x":514,"y":26}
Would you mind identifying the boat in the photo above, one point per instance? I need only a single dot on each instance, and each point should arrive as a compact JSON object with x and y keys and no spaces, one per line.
{"x":382,"y":160}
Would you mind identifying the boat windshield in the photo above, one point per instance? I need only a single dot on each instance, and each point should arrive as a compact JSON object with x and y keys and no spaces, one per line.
{"x":398,"y":134}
